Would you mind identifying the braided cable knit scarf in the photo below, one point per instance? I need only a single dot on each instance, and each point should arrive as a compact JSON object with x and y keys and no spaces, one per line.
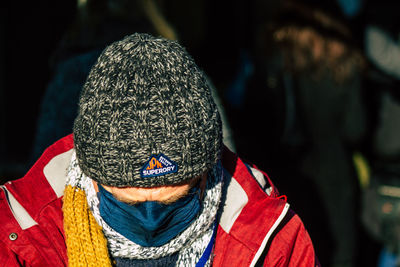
{"x":90,"y":240}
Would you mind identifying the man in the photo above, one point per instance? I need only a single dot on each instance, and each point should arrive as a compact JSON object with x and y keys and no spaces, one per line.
{"x":145,"y":179}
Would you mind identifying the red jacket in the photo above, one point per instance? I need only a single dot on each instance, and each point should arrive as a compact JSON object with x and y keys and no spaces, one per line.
{"x":256,"y":226}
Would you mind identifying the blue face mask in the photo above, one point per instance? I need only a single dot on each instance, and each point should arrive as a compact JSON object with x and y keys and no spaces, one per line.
{"x":150,"y":223}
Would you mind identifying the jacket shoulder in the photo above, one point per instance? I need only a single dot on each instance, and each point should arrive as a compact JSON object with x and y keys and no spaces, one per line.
{"x":32,"y":206}
{"x":245,"y":171}
{"x":44,"y":182}
{"x":255,"y":220}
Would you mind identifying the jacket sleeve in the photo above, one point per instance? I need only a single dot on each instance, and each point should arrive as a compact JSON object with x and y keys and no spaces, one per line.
{"x":291,"y":246}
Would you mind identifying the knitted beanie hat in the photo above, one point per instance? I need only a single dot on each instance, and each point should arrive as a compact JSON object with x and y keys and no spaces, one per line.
{"x":146,"y":116}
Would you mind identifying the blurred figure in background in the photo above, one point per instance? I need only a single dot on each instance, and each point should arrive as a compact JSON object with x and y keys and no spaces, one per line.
{"x":307,"y":91}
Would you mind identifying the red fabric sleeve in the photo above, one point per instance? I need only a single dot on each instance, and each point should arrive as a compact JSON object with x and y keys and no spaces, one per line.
{"x":292,"y":246}
{"x":9,"y":259}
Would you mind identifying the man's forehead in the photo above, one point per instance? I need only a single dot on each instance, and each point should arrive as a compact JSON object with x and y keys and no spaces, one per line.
{"x":164,"y":194}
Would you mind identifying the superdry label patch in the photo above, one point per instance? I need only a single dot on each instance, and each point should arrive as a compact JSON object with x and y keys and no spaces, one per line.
{"x":157,"y":166}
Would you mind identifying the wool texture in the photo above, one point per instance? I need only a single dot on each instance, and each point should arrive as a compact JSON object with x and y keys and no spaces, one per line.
{"x":86,"y":244}
{"x":189,"y":245}
{"x":146,"y":96}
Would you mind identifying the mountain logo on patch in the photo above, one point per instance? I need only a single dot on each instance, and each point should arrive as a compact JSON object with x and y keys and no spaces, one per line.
{"x":157,"y":166}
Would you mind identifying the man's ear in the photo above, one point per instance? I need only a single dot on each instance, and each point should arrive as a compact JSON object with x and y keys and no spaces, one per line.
{"x":96,"y":187}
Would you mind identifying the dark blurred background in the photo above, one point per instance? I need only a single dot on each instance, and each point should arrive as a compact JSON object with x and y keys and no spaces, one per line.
{"x":309,"y":90}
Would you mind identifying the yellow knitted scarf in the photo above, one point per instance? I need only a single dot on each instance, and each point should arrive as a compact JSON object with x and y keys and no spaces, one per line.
{"x":86,"y":244}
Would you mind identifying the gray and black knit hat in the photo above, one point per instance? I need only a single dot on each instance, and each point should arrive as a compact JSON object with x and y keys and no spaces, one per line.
{"x":146,"y":116}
